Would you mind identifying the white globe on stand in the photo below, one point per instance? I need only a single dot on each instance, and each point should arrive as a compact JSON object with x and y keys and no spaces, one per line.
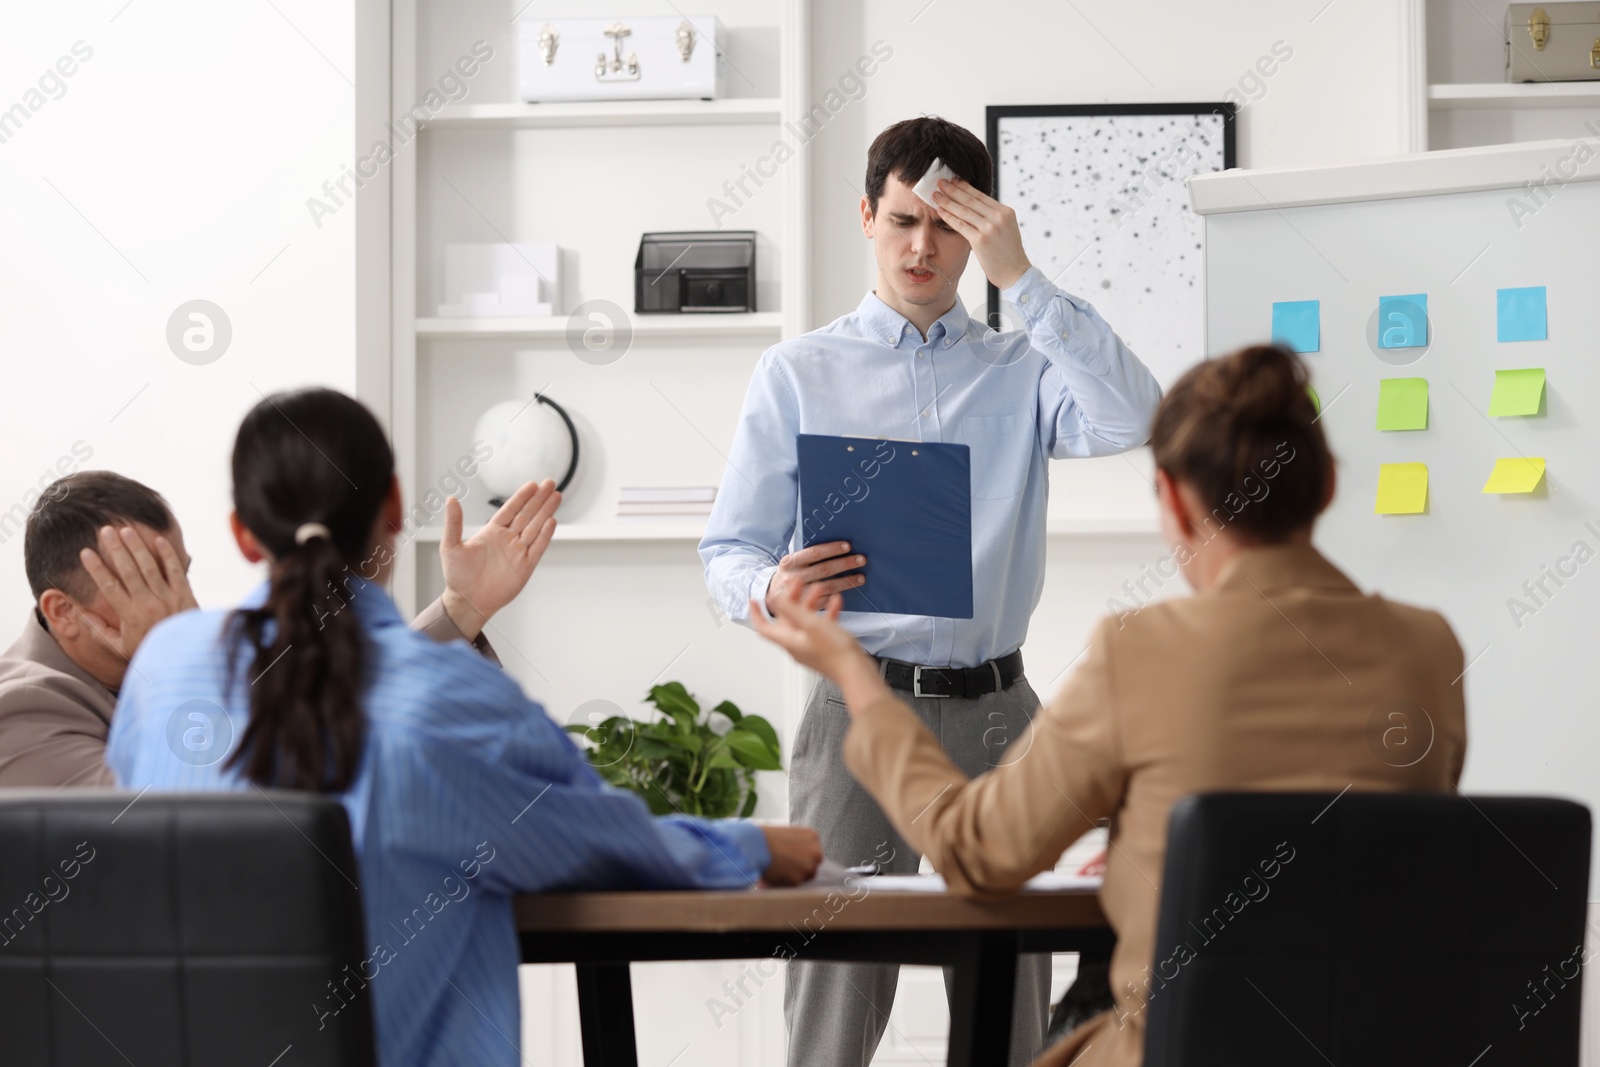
{"x":528,"y":440}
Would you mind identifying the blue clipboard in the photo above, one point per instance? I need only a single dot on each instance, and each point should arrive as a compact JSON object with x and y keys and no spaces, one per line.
{"x":906,"y":506}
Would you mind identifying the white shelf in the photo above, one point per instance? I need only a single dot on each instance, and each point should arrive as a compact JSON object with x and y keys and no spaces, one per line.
{"x":737,"y":111}
{"x":693,"y":531}
{"x":595,"y":531}
{"x":734,"y":324}
{"x":1520,"y":95}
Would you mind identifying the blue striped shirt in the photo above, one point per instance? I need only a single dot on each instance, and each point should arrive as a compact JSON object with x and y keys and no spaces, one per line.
{"x":466,"y":794}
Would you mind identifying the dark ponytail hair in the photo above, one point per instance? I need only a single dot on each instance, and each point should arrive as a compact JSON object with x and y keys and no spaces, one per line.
{"x":1242,"y":432}
{"x":311,"y":456}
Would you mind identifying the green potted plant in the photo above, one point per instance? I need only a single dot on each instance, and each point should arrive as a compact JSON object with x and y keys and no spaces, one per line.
{"x":682,"y":763}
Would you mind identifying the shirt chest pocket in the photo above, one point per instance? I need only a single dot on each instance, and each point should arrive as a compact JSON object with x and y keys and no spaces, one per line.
{"x":1002,"y":451}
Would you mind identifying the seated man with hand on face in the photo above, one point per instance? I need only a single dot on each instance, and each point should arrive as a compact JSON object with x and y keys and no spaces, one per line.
{"x":106,"y":562}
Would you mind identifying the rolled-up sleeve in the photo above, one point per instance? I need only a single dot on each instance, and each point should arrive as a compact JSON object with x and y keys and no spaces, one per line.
{"x":1095,"y":397}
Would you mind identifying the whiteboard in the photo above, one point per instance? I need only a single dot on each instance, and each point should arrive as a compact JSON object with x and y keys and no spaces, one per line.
{"x":1533,"y":722}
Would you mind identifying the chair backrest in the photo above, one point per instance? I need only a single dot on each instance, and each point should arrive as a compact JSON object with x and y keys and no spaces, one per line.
{"x":1371,"y":929}
{"x":181,"y":930}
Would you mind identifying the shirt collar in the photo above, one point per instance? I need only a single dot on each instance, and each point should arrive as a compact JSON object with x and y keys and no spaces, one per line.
{"x":887,"y":326}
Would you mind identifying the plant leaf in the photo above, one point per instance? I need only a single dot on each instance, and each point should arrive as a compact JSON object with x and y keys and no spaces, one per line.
{"x":675,"y":701}
{"x":762,"y":729}
{"x":753,"y":751}
{"x":730,"y":709}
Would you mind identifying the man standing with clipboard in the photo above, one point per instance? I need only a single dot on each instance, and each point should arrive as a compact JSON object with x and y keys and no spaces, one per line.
{"x":909,"y":364}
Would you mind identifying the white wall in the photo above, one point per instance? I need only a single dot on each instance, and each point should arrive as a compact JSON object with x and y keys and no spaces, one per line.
{"x":175,"y":166}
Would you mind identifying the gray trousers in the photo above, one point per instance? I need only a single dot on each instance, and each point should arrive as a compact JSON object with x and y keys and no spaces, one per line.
{"x":837,"y":1012}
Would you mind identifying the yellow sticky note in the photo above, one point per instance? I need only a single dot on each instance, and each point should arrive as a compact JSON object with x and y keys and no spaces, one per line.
{"x":1519,"y":475}
{"x":1517,"y":392}
{"x":1402,"y":489}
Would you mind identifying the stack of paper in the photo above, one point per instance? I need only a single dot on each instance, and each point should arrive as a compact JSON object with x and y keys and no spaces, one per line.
{"x":665,"y":504}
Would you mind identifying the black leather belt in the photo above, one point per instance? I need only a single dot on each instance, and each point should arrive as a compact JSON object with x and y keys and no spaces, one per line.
{"x":991,"y":676}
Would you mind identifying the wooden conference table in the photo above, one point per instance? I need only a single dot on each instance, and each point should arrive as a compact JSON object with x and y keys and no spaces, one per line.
{"x":603,"y":932}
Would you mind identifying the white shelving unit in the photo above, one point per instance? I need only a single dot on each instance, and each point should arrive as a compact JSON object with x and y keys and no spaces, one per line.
{"x":491,"y":168}
{"x":1460,"y":81}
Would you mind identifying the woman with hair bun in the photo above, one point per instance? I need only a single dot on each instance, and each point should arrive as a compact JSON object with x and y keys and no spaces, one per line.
{"x":461,"y":791}
{"x":1266,"y":678}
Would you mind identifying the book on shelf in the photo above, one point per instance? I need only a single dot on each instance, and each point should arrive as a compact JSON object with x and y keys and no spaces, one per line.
{"x":663,"y":509}
{"x":683,"y":517}
{"x":695,"y":494}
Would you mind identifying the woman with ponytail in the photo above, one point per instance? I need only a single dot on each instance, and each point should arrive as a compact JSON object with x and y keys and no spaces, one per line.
{"x":461,"y":792}
{"x":1270,"y":677}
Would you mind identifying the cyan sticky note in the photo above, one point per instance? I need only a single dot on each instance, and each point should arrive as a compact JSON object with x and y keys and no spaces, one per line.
{"x":1403,"y":321}
{"x":1403,"y":404}
{"x":1520,"y":314}
{"x":1519,"y":475}
{"x":1402,"y":489}
{"x":1297,"y":325}
{"x":1517,"y":392}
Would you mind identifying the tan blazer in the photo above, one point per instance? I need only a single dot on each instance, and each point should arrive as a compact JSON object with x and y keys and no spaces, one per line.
{"x":1277,"y":678}
{"x":54,"y":715}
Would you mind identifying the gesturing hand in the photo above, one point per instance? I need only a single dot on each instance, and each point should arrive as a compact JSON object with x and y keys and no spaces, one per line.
{"x":814,"y":638}
{"x":989,"y":226}
{"x":486,"y":572}
{"x":817,"y":567}
{"x":142,"y":587}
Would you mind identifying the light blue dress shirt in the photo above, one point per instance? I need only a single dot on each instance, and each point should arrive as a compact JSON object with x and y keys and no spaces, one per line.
{"x":466,"y":794}
{"x":1065,"y":386}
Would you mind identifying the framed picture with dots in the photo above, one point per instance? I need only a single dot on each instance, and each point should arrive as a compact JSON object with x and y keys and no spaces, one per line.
{"x":1100,"y":196}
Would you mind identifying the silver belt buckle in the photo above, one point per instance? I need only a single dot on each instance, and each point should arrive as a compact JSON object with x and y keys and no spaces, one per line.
{"x":916,"y":685}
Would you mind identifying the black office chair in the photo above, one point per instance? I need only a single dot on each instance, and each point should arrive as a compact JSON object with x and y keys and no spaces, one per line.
{"x":179,"y":930}
{"x":1369,"y":930}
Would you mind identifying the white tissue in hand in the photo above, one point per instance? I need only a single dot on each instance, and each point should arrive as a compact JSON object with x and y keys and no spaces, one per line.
{"x":930,"y":181}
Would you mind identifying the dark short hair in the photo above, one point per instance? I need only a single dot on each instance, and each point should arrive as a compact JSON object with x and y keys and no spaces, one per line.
{"x":67,"y":519}
{"x":907,"y":149}
{"x":1242,"y":431}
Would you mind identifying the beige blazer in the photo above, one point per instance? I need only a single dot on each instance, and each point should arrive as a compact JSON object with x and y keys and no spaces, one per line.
{"x":1280,"y":677}
{"x":54,"y":715}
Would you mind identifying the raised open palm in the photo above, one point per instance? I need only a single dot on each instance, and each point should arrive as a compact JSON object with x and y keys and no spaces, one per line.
{"x":485,"y":572}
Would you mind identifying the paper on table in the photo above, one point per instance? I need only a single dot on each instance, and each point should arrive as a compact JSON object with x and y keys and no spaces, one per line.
{"x":1049,"y":881}
{"x":1520,"y":314}
{"x":1403,"y":404}
{"x":1297,"y":324}
{"x":930,"y":181}
{"x":1402,"y":489}
{"x":1517,"y":392}
{"x":1518,"y":475}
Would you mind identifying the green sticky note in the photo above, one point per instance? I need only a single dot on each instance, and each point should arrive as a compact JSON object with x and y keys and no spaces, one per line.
{"x":1517,"y":392}
{"x":1519,"y":475}
{"x":1402,"y":489}
{"x":1316,"y":401}
{"x":1403,"y":404}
